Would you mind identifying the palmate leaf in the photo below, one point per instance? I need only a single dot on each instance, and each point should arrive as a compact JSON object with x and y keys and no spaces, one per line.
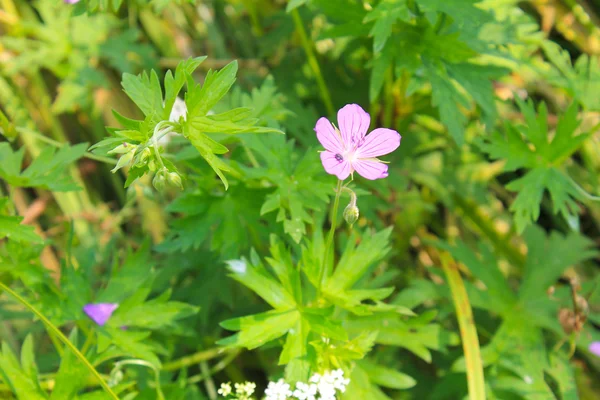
{"x":48,"y":170}
{"x":229,"y":223}
{"x":530,"y":147}
{"x":11,"y":227}
{"x":384,"y":16}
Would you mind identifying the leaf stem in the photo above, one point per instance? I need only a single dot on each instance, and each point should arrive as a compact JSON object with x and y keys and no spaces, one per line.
{"x":468,"y":332}
{"x":581,"y":190}
{"x":54,"y":330}
{"x":312,"y":61}
{"x":329,"y":243}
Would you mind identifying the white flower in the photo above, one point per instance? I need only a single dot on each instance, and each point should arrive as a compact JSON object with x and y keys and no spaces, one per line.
{"x":225,"y":389}
{"x":278,"y":390}
{"x":305,"y":391}
{"x":244,"y":390}
{"x":179,"y":110}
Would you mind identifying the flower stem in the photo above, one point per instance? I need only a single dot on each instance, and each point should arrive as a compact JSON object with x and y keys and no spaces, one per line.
{"x":468,"y":332}
{"x":195,"y":358}
{"x":312,"y":61}
{"x":54,"y":330}
{"x":329,"y":243}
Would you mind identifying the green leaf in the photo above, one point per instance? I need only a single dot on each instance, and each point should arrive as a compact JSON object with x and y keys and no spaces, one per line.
{"x":49,"y":170}
{"x":22,"y":383}
{"x":259,"y":280}
{"x":70,"y":377}
{"x":385,"y":15}
{"x":293,"y":4}
{"x":256,"y":330}
{"x":153,"y":315}
{"x":145,"y":91}
{"x":11,"y":227}
{"x":200,"y":100}
{"x":548,"y":257}
{"x":386,"y":377}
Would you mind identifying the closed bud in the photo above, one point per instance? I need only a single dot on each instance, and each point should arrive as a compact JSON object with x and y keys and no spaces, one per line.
{"x":122,"y":149}
{"x":143,"y":157}
{"x":175,"y":179}
{"x":160,"y":180}
{"x":351,"y":213}
{"x":124,"y":160}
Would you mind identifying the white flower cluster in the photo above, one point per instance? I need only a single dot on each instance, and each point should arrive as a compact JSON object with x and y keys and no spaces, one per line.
{"x":243,"y":391}
{"x":319,"y":387}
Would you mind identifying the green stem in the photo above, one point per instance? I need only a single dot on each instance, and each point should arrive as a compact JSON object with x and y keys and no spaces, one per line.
{"x":209,"y":383}
{"x":582,"y":191}
{"x":468,"y":332}
{"x":312,"y":61}
{"x":195,"y":358}
{"x":221,"y":365}
{"x":57,"y":144}
{"x":329,"y":242}
{"x":52,"y":328}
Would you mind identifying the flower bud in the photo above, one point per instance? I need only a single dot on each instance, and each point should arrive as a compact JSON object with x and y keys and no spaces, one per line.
{"x":351,"y":213}
{"x":122,"y":149}
{"x":175,"y":179}
{"x":124,"y":160}
{"x":143,"y":157}
{"x":160,"y":180}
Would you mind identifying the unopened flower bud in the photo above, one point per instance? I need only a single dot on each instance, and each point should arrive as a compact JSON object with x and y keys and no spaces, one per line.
{"x":122,"y":149}
{"x":351,"y":214}
{"x":124,"y":160}
{"x":175,"y":179}
{"x":160,"y":180}
{"x":143,"y":157}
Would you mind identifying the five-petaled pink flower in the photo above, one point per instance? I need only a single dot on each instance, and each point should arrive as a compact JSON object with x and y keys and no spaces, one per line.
{"x":350,"y":149}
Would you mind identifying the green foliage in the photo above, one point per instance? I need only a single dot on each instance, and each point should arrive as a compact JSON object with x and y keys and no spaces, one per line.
{"x":47,"y":170}
{"x":533,"y":148}
{"x":493,"y":181}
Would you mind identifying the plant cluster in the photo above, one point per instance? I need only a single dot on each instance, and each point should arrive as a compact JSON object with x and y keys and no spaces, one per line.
{"x":299,"y":200}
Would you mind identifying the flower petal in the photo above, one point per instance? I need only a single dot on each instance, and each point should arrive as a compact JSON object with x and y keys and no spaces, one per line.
{"x":328,"y":137}
{"x":334,"y":165}
{"x":595,"y":348}
{"x":353,"y":122}
{"x":379,"y":142}
{"x":370,"y":169}
{"x":100,"y":312}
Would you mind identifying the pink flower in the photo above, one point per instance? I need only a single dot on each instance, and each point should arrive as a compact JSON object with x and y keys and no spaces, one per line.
{"x":71,"y":1}
{"x":595,"y":348}
{"x":350,"y":149}
{"x":100,"y":312}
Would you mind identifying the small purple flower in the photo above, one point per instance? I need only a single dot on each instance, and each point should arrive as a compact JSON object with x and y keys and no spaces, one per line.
{"x":595,"y":348}
{"x":350,"y":149}
{"x":100,"y":312}
{"x":71,"y":1}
